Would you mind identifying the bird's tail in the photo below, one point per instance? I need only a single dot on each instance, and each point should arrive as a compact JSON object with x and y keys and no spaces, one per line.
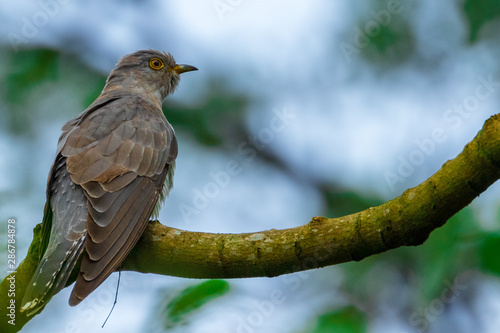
{"x":62,"y":240}
{"x":53,"y":270}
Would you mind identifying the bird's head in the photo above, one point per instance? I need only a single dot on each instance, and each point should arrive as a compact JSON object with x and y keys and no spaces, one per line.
{"x":147,"y":71}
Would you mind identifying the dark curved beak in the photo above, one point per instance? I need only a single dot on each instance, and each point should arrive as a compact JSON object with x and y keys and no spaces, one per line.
{"x":184,"y":68}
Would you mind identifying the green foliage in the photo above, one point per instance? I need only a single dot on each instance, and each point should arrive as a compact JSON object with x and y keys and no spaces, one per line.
{"x":489,"y":250}
{"x":445,"y":254}
{"x":28,"y":68}
{"x":216,"y":121}
{"x":94,"y":90}
{"x":478,"y":13}
{"x":426,"y":269}
{"x":389,"y":37}
{"x":345,"y":320}
{"x":393,"y":45}
{"x":192,"y":298}
{"x":343,"y":202}
{"x":42,"y":84}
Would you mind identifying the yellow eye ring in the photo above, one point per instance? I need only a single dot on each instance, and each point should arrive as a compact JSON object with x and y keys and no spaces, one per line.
{"x":156,"y":63}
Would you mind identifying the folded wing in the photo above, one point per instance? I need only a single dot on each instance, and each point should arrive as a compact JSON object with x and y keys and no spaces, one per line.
{"x":122,"y":155}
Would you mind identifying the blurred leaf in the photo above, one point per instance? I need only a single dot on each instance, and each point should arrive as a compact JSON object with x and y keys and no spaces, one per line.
{"x":218,"y":120}
{"x":446,"y":253}
{"x":489,"y":250}
{"x":341,"y":203}
{"x":27,"y":69}
{"x":449,"y":250}
{"x":345,"y":320}
{"x":94,"y":89}
{"x":385,"y":37}
{"x":193,"y":298}
{"x":392,"y":46}
{"x":478,"y":13}
{"x":73,"y":86}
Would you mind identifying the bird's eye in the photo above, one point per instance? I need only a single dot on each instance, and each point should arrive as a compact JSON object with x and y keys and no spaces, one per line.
{"x":156,"y":63}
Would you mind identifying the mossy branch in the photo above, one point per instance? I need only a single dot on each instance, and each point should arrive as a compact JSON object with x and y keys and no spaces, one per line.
{"x":403,"y":221}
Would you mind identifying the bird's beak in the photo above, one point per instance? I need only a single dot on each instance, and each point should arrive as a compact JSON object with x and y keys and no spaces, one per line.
{"x":184,"y":68}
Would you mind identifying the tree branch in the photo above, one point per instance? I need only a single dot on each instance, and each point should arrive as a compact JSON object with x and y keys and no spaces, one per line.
{"x":403,"y":221}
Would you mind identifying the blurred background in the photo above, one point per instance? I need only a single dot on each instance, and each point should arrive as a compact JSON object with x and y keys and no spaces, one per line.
{"x":329,"y":107}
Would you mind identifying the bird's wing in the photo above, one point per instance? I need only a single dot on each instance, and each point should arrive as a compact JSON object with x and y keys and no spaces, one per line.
{"x":62,"y":237}
{"x":120,"y":154}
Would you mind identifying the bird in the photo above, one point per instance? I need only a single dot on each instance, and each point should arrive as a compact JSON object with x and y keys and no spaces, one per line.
{"x":113,"y":168}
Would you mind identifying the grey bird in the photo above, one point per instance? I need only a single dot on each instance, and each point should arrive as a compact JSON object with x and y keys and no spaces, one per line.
{"x":114,"y":164}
